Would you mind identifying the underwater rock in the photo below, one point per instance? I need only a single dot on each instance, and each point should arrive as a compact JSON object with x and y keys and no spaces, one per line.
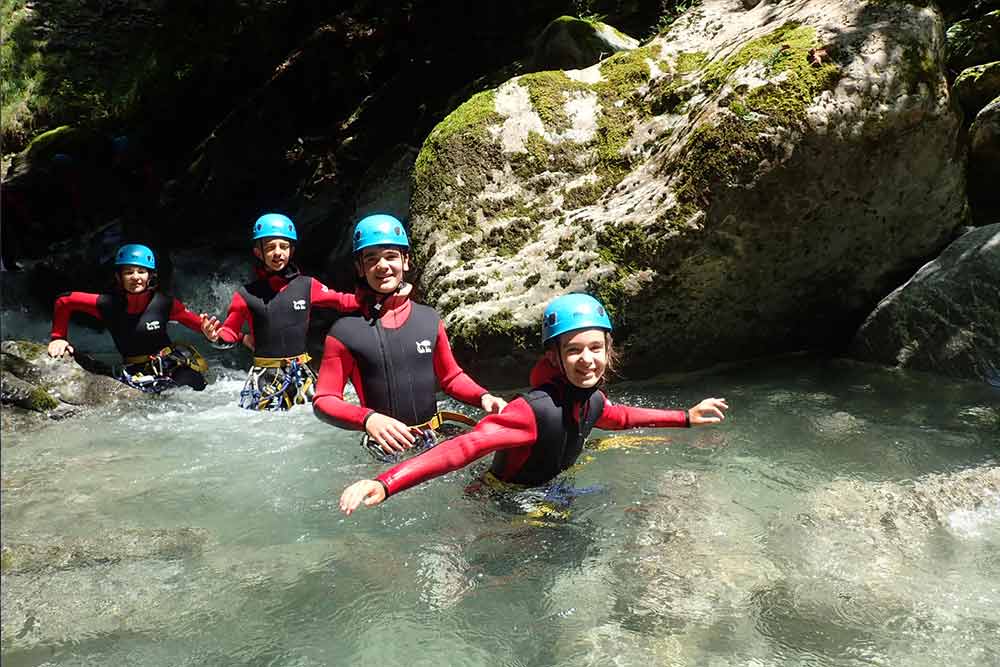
{"x":572,"y":43}
{"x":946,"y":318}
{"x":748,"y":179}
{"x":59,"y":553}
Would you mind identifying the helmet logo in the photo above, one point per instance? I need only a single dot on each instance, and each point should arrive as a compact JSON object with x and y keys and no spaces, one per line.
{"x":396,"y":231}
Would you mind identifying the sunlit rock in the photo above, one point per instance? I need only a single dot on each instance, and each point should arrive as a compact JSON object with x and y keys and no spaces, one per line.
{"x":742,"y":184}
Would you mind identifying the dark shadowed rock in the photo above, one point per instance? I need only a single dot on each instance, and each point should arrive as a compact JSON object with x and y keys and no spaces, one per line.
{"x":946,"y":318}
{"x":984,"y":164}
{"x":571,"y":43}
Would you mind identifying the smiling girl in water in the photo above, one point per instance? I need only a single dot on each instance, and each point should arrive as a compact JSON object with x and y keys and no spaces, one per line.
{"x":541,"y":433}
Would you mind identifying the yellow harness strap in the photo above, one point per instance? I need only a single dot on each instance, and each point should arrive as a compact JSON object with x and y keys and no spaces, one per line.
{"x":139,"y":359}
{"x":279,"y":362}
{"x":435,"y":422}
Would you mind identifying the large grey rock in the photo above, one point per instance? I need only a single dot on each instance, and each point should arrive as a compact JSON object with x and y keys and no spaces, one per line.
{"x":738,"y":186}
{"x":570,"y":43}
{"x":946,"y":318}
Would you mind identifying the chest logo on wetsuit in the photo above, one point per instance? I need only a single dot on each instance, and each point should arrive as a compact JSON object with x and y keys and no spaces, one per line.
{"x":424,"y":347}
{"x":299,"y":304}
{"x":153,"y":326}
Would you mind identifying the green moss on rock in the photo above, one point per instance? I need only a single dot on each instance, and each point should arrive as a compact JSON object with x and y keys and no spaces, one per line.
{"x":548,"y":92}
{"x":456,"y":157}
{"x":731,"y":151}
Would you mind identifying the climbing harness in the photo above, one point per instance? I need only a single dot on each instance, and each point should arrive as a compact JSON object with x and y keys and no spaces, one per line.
{"x":278,"y":383}
{"x":442,"y":426}
{"x":151,"y":373}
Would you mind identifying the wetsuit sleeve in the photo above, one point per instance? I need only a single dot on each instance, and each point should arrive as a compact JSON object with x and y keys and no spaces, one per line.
{"x":620,"y":417}
{"x":232,"y":328}
{"x":454,"y":381}
{"x":321,"y":296}
{"x":514,"y":427}
{"x":328,"y":402}
{"x":180,"y":314}
{"x":66,"y":305}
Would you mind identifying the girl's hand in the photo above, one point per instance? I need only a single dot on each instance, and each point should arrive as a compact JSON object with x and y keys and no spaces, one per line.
{"x":367,"y":490}
{"x":59,"y":347}
{"x":210,"y":327}
{"x":493,"y":404}
{"x":709,"y":411}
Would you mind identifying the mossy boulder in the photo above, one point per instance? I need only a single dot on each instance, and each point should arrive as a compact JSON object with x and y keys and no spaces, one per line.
{"x":572,"y":43}
{"x":984,"y":164}
{"x":974,"y":41}
{"x":946,"y":317}
{"x":745,"y":183}
{"x":976,"y":86}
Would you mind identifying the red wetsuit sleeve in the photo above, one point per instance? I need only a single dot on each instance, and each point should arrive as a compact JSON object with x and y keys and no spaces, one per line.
{"x":620,"y":417}
{"x":321,"y":296}
{"x":66,"y":305}
{"x":232,"y":328}
{"x":328,"y":402}
{"x":514,"y":427}
{"x":180,"y":314}
{"x":454,"y":381}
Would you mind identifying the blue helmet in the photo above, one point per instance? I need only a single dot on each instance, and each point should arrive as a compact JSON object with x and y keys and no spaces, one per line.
{"x":571,"y":312}
{"x":271,"y":225}
{"x":135,"y":254}
{"x":379,"y":229}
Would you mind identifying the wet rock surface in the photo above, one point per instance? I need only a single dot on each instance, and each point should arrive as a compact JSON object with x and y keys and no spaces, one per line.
{"x":34,"y":383}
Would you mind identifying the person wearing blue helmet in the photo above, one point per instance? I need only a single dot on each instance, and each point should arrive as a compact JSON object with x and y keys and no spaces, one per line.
{"x":541,"y":434}
{"x":395,"y":352}
{"x":276,"y":307}
{"x":137,"y":314}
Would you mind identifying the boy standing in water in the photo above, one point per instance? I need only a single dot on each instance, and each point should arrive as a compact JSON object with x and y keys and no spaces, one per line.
{"x":277,"y":306}
{"x":136,"y":314}
{"x":394,"y":351}
{"x":542,"y":433}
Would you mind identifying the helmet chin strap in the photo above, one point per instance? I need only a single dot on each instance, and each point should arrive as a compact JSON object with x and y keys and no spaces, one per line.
{"x":379,"y":302}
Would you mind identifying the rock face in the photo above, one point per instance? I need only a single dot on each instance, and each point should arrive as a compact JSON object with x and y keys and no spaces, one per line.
{"x":749,"y":167}
{"x":946,"y":318}
{"x":976,"y":86}
{"x":571,"y":43}
{"x":35,"y":383}
{"x":984,"y":163}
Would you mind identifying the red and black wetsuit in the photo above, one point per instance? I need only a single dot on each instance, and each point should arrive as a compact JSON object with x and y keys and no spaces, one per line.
{"x":395,"y":363}
{"x":277,"y":307}
{"x":137,"y":322}
{"x":536,"y":436}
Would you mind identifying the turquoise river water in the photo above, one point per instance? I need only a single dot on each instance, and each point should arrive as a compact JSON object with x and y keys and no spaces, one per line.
{"x":843,"y":515}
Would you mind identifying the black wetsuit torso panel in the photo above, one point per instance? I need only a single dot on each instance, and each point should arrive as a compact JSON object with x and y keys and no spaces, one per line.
{"x":139,"y":333}
{"x":560,"y":438}
{"x":280,"y":319}
{"x":396,"y":365}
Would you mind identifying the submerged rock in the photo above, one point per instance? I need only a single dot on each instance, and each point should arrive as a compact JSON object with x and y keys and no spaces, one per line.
{"x":59,"y":553}
{"x":946,"y":318}
{"x":741,"y":185}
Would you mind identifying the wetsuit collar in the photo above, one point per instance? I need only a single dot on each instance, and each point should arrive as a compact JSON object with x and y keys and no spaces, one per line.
{"x":279,"y":279}
{"x":136,"y":303}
